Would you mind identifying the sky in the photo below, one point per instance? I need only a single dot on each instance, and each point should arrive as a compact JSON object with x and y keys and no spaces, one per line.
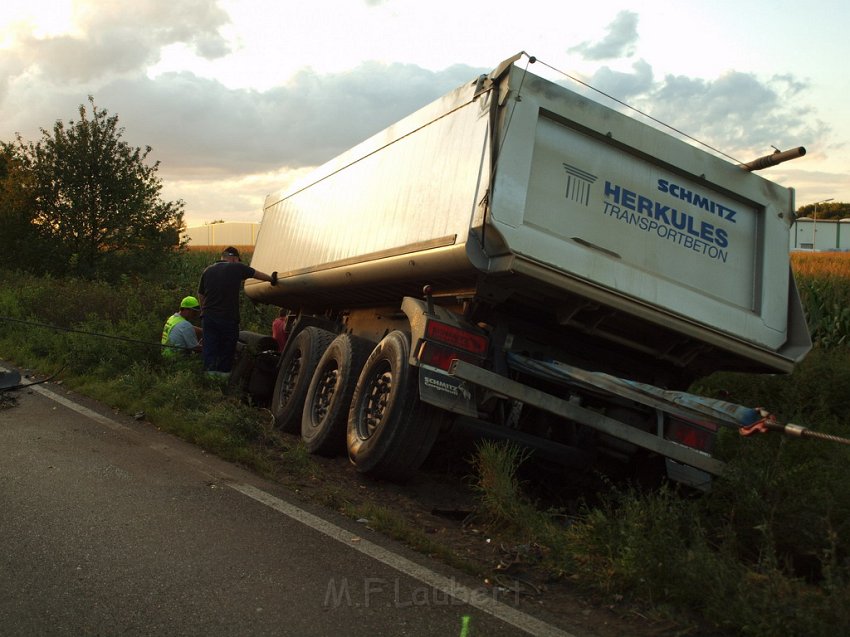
{"x":238,"y":98}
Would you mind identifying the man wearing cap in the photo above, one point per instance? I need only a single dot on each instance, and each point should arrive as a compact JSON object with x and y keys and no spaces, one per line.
{"x":219,"y":290}
{"x":179,"y":336}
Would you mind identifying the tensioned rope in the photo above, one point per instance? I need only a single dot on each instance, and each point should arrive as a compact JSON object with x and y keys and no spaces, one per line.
{"x":577,"y":80}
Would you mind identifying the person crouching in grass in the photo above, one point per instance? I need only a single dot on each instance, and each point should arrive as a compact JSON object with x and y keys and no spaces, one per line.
{"x":179,"y":336}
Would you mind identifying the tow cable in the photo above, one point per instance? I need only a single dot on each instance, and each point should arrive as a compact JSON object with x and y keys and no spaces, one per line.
{"x":10,"y":381}
{"x":73,"y":331}
{"x":769,"y":423}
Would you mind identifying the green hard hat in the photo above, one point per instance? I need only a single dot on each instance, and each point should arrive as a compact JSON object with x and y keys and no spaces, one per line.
{"x":191,"y":303}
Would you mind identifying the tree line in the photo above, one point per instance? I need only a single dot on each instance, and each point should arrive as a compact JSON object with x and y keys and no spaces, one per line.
{"x":825,"y":210}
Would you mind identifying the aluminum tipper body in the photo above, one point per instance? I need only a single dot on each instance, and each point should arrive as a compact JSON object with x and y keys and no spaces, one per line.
{"x":553,"y":226}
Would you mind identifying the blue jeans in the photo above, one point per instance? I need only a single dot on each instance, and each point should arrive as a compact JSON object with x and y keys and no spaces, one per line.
{"x":220,"y":337}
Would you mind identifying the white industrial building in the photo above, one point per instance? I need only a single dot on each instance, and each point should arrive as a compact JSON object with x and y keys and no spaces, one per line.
{"x":820,"y":234}
{"x":223,"y":234}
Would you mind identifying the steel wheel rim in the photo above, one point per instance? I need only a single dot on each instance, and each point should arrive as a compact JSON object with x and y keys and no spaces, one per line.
{"x":375,"y":406}
{"x":323,"y":397}
{"x":287,"y":387}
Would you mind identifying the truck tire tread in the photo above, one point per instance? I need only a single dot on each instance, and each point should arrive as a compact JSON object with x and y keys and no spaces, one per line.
{"x":399,"y":442}
{"x":293,"y":377}
{"x":325,"y":413}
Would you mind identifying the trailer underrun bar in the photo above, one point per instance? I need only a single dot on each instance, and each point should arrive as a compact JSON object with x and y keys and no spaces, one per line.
{"x":565,"y":409}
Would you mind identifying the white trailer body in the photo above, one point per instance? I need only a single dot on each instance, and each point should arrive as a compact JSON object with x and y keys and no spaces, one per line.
{"x":654,"y":243}
{"x":551,"y":226}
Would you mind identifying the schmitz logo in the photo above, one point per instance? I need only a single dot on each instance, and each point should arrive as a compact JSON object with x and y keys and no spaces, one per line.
{"x":447,"y":387}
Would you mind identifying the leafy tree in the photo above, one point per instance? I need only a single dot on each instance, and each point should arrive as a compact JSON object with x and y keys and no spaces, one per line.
{"x":18,"y":239}
{"x":826,"y":210}
{"x":96,"y":204}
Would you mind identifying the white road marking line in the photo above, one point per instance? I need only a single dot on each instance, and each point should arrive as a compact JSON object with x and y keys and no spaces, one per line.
{"x":161,"y":448}
{"x":449,"y":586}
{"x":84,"y":411}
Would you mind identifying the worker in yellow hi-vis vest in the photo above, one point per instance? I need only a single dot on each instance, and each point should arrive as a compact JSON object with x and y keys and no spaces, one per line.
{"x":179,"y":335}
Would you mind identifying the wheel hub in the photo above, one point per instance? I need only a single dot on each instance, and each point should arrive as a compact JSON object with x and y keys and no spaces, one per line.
{"x":324,"y":394}
{"x":376,"y":404}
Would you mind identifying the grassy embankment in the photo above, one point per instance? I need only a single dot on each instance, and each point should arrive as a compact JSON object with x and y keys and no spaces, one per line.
{"x":766,"y":553}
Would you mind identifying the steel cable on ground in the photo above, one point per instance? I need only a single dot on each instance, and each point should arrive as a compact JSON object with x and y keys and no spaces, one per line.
{"x":87,"y":333}
{"x":18,"y":386}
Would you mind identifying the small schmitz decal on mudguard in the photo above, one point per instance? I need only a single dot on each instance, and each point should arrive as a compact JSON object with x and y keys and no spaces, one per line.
{"x":441,"y":390}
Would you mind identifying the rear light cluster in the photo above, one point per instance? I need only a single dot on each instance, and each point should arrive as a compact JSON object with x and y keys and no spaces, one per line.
{"x":456,"y":337}
{"x":693,"y":434}
{"x":444,"y":343}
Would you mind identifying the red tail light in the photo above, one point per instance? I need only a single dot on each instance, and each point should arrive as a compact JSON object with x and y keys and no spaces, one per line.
{"x":438,"y":356}
{"x":697,"y":435}
{"x":444,"y":343}
{"x":456,"y":337}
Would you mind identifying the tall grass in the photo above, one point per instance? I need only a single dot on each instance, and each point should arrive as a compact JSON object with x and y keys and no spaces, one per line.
{"x":832,"y":265}
{"x":764,"y":554}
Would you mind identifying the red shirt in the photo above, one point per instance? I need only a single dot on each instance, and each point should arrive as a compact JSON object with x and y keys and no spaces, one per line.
{"x":280,"y":332}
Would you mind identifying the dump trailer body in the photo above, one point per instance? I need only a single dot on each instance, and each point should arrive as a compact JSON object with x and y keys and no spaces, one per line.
{"x":384,"y":217}
{"x":518,"y":194}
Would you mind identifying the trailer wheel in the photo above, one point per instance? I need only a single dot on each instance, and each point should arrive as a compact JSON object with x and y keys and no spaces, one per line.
{"x":248,"y":347}
{"x":329,"y":395}
{"x":241,"y":372}
{"x":390,"y":431}
{"x":293,"y":377}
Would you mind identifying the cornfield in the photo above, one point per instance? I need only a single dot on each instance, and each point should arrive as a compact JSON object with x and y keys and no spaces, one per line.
{"x":823,"y":279}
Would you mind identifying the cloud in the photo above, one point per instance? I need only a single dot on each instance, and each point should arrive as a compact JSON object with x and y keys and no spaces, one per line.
{"x":619,"y":41}
{"x":119,"y":38}
{"x":195,"y":23}
{"x":11,"y":65}
{"x":624,"y":85}
{"x":199,"y":128}
{"x":737,"y":113}
{"x":202,"y":130}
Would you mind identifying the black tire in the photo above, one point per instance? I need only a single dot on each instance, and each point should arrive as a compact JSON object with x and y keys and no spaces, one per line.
{"x":390,"y":431}
{"x":294,"y":374}
{"x":248,"y":347}
{"x":237,"y":382}
{"x":328,"y":398}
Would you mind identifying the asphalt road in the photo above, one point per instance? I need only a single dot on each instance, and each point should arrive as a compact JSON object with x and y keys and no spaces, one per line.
{"x":109,"y":527}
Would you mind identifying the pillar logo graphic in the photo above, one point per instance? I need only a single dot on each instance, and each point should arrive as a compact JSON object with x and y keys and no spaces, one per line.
{"x":578,"y":184}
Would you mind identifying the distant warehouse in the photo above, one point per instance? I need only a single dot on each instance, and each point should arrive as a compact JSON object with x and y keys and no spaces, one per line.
{"x":222,"y":234}
{"x":820,"y":234}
